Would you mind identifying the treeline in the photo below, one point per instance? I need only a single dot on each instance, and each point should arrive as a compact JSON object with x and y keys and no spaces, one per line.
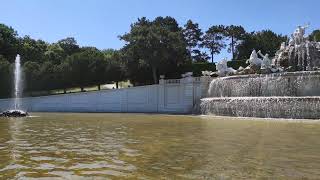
{"x":152,"y":48}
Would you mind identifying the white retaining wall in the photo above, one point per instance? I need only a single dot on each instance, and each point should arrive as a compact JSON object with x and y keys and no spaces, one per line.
{"x":169,"y":96}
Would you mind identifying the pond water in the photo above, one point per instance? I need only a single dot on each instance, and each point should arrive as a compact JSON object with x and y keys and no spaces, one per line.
{"x":146,"y":146}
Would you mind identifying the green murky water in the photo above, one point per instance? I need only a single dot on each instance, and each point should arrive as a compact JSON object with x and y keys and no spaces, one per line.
{"x":137,"y":146}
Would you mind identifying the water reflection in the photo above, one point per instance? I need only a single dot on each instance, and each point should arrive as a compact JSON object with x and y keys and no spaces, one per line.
{"x":51,"y":147}
{"x":86,"y":146}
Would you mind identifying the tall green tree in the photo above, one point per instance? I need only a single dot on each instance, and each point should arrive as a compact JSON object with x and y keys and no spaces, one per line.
{"x":267,"y":41}
{"x":192,"y":33}
{"x":235,"y":34}
{"x":84,"y":67}
{"x":213,"y":40}
{"x":116,"y":66}
{"x":32,"y":76}
{"x":98,"y":69}
{"x":137,"y":71}
{"x":9,"y":42}
{"x":48,"y":76}
{"x":55,"y":54}
{"x":64,"y":76}
{"x":69,"y":45}
{"x":199,"y":56}
{"x":32,"y":50}
{"x":157,"y":44}
{"x":193,"y":36}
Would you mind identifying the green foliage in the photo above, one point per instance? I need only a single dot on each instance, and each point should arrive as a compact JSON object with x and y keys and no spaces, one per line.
{"x":32,"y":75}
{"x":8,"y":42}
{"x":193,"y":36}
{"x":199,"y":56}
{"x":55,"y":54}
{"x":235,"y":35}
{"x":315,"y":36}
{"x":266,"y":41}
{"x":32,"y":50}
{"x":84,"y":67}
{"x":116,"y":66}
{"x":155,"y":47}
{"x":152,"y":48}
{"x":235,"y":64}
{"x":48,"y":75}
{"x":69,"y":45}
{"x":5,"y":77}
{"x":213,"y":40}
{"x":197,"y":68}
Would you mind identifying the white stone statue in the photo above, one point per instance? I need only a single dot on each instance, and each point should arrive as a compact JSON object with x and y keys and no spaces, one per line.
{"x":298,"y":35}
{"x":266,"y":61}
{"x":240,"y":68}
{"x":283,"y":46}
{"x":207,"y":73}
{"x":254,"y":60}
{"x":223,"y":68}
{"x":187,"y":74}
{"x":291,"y":41}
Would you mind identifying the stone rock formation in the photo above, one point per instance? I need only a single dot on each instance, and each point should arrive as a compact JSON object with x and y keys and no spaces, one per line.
{"x":13,"y":113}
{"x":300,"y":54}
{"x":223,"y":69}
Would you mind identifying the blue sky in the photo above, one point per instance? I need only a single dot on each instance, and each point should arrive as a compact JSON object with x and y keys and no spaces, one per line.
{"x":99,"y":22}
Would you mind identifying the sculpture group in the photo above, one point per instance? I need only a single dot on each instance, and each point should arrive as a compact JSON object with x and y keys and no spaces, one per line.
{"x":299,"y":54}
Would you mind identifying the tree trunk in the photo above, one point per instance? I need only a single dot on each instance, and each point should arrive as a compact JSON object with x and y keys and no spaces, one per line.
{"x":154,"y":74}
{"x":82,"y":89}
{"x":64,"y":91}
{"x":117,"y":85}
{"x":212,"y":57}
{"x":99,"y":87}
{"x":232,"y":47}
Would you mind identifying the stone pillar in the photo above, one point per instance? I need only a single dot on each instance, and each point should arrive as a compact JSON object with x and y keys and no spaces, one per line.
{"x":161,"y":94}
{"x":161,"y":81}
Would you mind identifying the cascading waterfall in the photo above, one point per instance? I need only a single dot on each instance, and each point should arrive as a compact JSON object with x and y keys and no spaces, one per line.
{"x":305,"y":83}
{"x":17,"y":83}
{"x":266,"y":107}
{"x":282,"y":95}
{"x":253,"y":93}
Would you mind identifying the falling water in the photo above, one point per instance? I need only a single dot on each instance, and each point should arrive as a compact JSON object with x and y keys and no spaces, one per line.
{"x":307,"y":107}
{"x":303,"y":83}
{"x":282,"y":95}
{"x":288,"y":94}
{"x":17,"y":83}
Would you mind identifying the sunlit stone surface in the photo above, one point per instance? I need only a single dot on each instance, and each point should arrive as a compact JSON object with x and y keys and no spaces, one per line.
{"x":300,"y":54}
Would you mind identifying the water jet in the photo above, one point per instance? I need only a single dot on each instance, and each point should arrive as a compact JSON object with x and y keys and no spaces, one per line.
{"x":16,"y":112}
